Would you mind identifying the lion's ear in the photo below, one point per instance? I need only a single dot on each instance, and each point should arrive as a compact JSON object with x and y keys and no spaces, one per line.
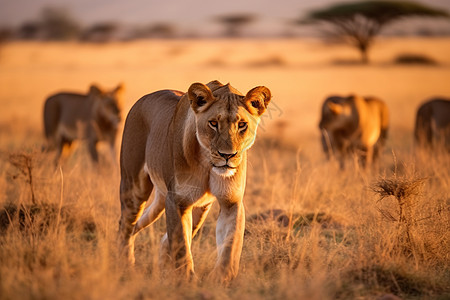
{"x":119,"y":88}
{"x":200,"y":97}
{"x":117,"y":94}
{"x":335,"y":108}
{"x":214,"y":85}
{"x":257,"y":100}
{"x":95,"y":90}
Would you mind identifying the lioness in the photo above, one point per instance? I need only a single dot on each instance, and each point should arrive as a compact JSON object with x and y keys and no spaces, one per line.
{"x":192,"y":148}
{"x":93,"y":117}
{"x":432,"y":127}
{"x":354,"y":125}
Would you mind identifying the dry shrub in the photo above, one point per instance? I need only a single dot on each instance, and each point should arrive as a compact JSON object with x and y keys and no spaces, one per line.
{"x":402,"y":189}
{"x":407,"y":212}
{"x":405,"y":193}
{"x":411,"y":59}
{"x":24,"y":164}
{"x":406,"y":259}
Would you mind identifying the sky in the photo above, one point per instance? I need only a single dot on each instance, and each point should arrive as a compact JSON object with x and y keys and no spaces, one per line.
{"x":196,"y":16}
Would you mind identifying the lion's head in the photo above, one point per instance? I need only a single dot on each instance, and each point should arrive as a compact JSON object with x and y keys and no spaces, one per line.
{"x":226,"y":121}
{"x":337,"y":112}
{"x":107,"y":105}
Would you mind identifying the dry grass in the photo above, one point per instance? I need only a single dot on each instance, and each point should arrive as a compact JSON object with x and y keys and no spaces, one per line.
{"x":313,"y":231}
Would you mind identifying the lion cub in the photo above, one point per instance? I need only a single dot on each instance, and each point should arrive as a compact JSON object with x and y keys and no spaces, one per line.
{"x":191,"y":149}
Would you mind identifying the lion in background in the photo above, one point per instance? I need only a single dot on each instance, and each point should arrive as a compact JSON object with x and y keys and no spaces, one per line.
{"x":191,"y":149}
{"x":91,"y":117}
{"x":356,"y":125}
{"x":432,"y":126}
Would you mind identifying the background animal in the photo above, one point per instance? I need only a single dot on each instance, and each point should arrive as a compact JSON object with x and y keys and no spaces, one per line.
{"x":354,"y":124}
{"x":432,"y":126}
{"x":93,"y":117}
{"x":192,"y":148}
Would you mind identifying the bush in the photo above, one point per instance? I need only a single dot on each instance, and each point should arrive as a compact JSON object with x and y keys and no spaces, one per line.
{"x":409,"y":58}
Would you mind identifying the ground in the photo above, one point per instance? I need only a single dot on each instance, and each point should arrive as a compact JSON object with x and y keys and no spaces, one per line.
{"x":341,"y":239}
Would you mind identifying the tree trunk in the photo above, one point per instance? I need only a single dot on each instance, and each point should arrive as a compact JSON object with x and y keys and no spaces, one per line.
{"x":363,"y":48}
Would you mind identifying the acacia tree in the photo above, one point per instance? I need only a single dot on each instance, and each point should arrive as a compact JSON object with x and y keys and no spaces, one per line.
{"x":100,"y":32}
{"x":235,"y":22}
{"x":58,"y":24}
{"x":358,"y":23}
{"x":54,"y":23}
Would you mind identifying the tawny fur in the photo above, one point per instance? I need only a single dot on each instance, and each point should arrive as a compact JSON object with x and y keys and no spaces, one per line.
{"x":354,"y":125}
{"x":432,"y":126}
{"x":191,"y":149}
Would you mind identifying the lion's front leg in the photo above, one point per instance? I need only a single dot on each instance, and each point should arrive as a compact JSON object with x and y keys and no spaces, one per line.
{"x":179,"y":235}
{"x":229,"y":238}
{"x":367,"y":157}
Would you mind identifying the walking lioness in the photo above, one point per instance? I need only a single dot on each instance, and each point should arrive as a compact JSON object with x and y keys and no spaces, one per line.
{"x":93,"y":117}
{"x":432,"y":127}
{"x":354,"y":125}
{"x":192,"y":148}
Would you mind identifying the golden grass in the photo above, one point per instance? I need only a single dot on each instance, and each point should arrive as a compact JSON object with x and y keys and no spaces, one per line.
{"x":338,"y":241}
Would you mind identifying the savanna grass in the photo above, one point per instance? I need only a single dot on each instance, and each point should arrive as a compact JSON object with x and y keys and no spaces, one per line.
{"x":313,"y":232}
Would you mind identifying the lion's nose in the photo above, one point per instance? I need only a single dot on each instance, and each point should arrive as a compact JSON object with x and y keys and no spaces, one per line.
{"x":227,"y":156}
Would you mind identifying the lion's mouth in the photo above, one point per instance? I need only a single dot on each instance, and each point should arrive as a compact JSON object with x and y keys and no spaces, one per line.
{"x":225,"y":166}
{"x":224,"y":170}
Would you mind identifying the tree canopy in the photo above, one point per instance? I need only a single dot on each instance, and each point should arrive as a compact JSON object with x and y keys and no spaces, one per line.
{"x":235,"y":22}
{"x":381,"y":12}
{"x":357,"y":23}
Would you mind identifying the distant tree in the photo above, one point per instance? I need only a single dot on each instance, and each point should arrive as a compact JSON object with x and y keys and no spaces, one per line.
{"x":29,"y":30}
{"x":235,"y":22}
{"x":101,"y":32}
{"x":58,"y":24}
{"x":6,"y":33}
{"x":161,"y":30}
{"x":357,"y":23}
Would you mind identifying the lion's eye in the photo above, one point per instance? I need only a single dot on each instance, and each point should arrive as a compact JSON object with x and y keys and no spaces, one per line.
{"x":213,"y":124}
{"x":242,"y":125}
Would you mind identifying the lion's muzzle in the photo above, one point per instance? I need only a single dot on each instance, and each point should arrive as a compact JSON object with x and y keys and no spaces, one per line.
{"x":227,"y":164}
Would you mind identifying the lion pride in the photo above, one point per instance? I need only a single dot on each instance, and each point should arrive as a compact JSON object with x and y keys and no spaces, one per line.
{"x":354,"y":124}
{"x":190,"y":149}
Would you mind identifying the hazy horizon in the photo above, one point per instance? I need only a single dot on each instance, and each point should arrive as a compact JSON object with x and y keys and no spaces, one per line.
{"x":195,"y":16}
